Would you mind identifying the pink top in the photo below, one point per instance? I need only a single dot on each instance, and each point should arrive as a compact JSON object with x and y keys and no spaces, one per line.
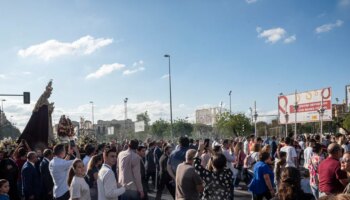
{"x":314,"y":162}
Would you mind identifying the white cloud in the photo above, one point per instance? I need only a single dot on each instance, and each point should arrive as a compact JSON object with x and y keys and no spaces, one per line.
{"x":251,"y":1}
{"x":136,"y":67}
{"x":344,"y":2}
{"x":274,"y":35}
{"x":26,"y":73}
{"x":290,"y":39}
{"x":53,"y":48}
{"x":165,"y":76}
{"x":328,"y":27}
{"x":133,"y":71}
{"x":3,"y":76}
{"x":104,"y":70}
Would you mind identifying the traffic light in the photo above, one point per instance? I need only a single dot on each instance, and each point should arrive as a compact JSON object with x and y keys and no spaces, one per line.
{"x":26,"y":97}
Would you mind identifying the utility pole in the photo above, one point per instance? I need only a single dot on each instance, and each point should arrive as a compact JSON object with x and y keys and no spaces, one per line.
{"x":255,"y":117}
{"x":230,"y":101}
{"x":125,"y":112}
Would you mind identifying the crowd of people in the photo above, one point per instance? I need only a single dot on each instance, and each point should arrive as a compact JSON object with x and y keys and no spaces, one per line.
{"x":308,"y":167}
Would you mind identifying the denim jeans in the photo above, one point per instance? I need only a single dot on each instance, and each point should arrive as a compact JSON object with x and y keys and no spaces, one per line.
{"x":314,"y":190}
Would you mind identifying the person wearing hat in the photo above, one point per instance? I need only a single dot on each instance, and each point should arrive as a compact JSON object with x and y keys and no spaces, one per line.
{"x":332,"y":179}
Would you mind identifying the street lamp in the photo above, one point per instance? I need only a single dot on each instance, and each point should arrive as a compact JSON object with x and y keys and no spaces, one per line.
{"x":251,"y":115}
{"x":92,"y":116}
{"x":171,"y":104}
{"x":2,"y":110}
{"x":296,"y":106}
{"x":255,"y":118}
{"x":321,"y":113}
{"x":230,"y":100}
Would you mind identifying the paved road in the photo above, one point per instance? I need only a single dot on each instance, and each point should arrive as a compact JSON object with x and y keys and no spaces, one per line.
{"x":239,"y":194}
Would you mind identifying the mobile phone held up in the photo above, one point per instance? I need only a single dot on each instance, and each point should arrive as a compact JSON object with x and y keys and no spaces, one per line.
{"x":206,"y":142}
{"x":72,"y":143}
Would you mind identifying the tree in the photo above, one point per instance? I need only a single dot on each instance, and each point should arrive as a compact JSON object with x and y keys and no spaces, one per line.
{"x":160,"y":128}
{"x":235,"y":124}
{"x":346,"y":123}
{"x":181,"y":128}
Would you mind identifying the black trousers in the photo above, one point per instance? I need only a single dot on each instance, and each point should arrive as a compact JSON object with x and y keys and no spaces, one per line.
{"x":266,"y":194}
{"x":165,"y":182}
{"x":66,"y":196}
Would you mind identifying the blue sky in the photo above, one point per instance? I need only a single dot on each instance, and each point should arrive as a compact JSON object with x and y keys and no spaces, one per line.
{"x":257,"y":49}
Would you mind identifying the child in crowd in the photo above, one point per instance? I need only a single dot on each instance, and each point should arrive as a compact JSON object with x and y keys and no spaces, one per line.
{"x":280,"y":164}
{"x":4,"y":189}
{"x":79,"y":189}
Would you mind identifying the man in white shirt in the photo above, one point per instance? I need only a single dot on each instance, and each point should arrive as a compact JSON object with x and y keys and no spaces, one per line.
{"x":106,"y":182}
{"x":226,"y":150}
{"x":308,"y":152}
{"x":291,"y":153}
{"x":59,"y":167}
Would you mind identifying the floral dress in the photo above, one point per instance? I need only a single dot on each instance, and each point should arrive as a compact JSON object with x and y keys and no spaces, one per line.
{"x":218,"y":185}
{"x":314,"y":162}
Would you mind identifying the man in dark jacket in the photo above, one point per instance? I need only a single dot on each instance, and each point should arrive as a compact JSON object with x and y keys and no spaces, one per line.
{"x":141,"y":151}
{"x":165,"y":179}
{"x":46,"y":176}
{"x":30,"y":178}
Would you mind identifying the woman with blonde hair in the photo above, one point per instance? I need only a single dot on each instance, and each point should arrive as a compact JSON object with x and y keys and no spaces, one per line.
{"x":78,"y":188}
{"x":239,"y":162}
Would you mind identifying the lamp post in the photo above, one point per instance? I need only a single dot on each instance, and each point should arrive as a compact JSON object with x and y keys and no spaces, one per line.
{"x":92,"y":117}
{"x":287,"y":118}
{"x":2,"y":110}
{"x":251,"y":115}
{"x":321,"y":113}
{"x":296,"y":106}
{"x":255,"y":118}
{"x":230,"y":101}
{"x":171,"y":103}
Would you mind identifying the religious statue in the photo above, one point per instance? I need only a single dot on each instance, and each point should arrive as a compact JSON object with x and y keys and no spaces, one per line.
{"x":65,"y":129}
{"x":39,"y":131}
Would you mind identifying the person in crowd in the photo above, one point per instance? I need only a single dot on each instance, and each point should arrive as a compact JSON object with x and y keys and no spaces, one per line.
{"x":177,"y":156}
{"x":129,"y":171}
{"x":141,"y":151}
{"x":273,"y":145}
{"x":94,"y":166}
{"x":188,"y":183}
{"x":205,"y":157}
{"x":151,"y":163}
{"x":305,"y":182}
{"x":290,"y":188}
{"x":106,"y":181}
{"x":332,"y":179}
{"x":4,"y":189}
{"x":266,"y":148}
{"x":46,"y":178}
{"x":9,"y":171}
{"x":313,"y":165}
{"x":20,"y":159}
{"x":326,"y":141}
{"x":89,"y":152}
{"x":30,"y":178}
{"x":249,"y":163}
{"x":310,"y":143}
{"x":341,"y":140}
{"x":59,"y":167}
{"x":262,"y":182}
{"x":165,"y":178}
{"x":228,"y":153}
{"x":239,"y":162}
{"x":218,"y":182}
{"x":345,"y":166}
{"x":246,"y":145}
{"x":78,"y":187}
{"x":291,"y":152}
{"x":280,"y":164}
